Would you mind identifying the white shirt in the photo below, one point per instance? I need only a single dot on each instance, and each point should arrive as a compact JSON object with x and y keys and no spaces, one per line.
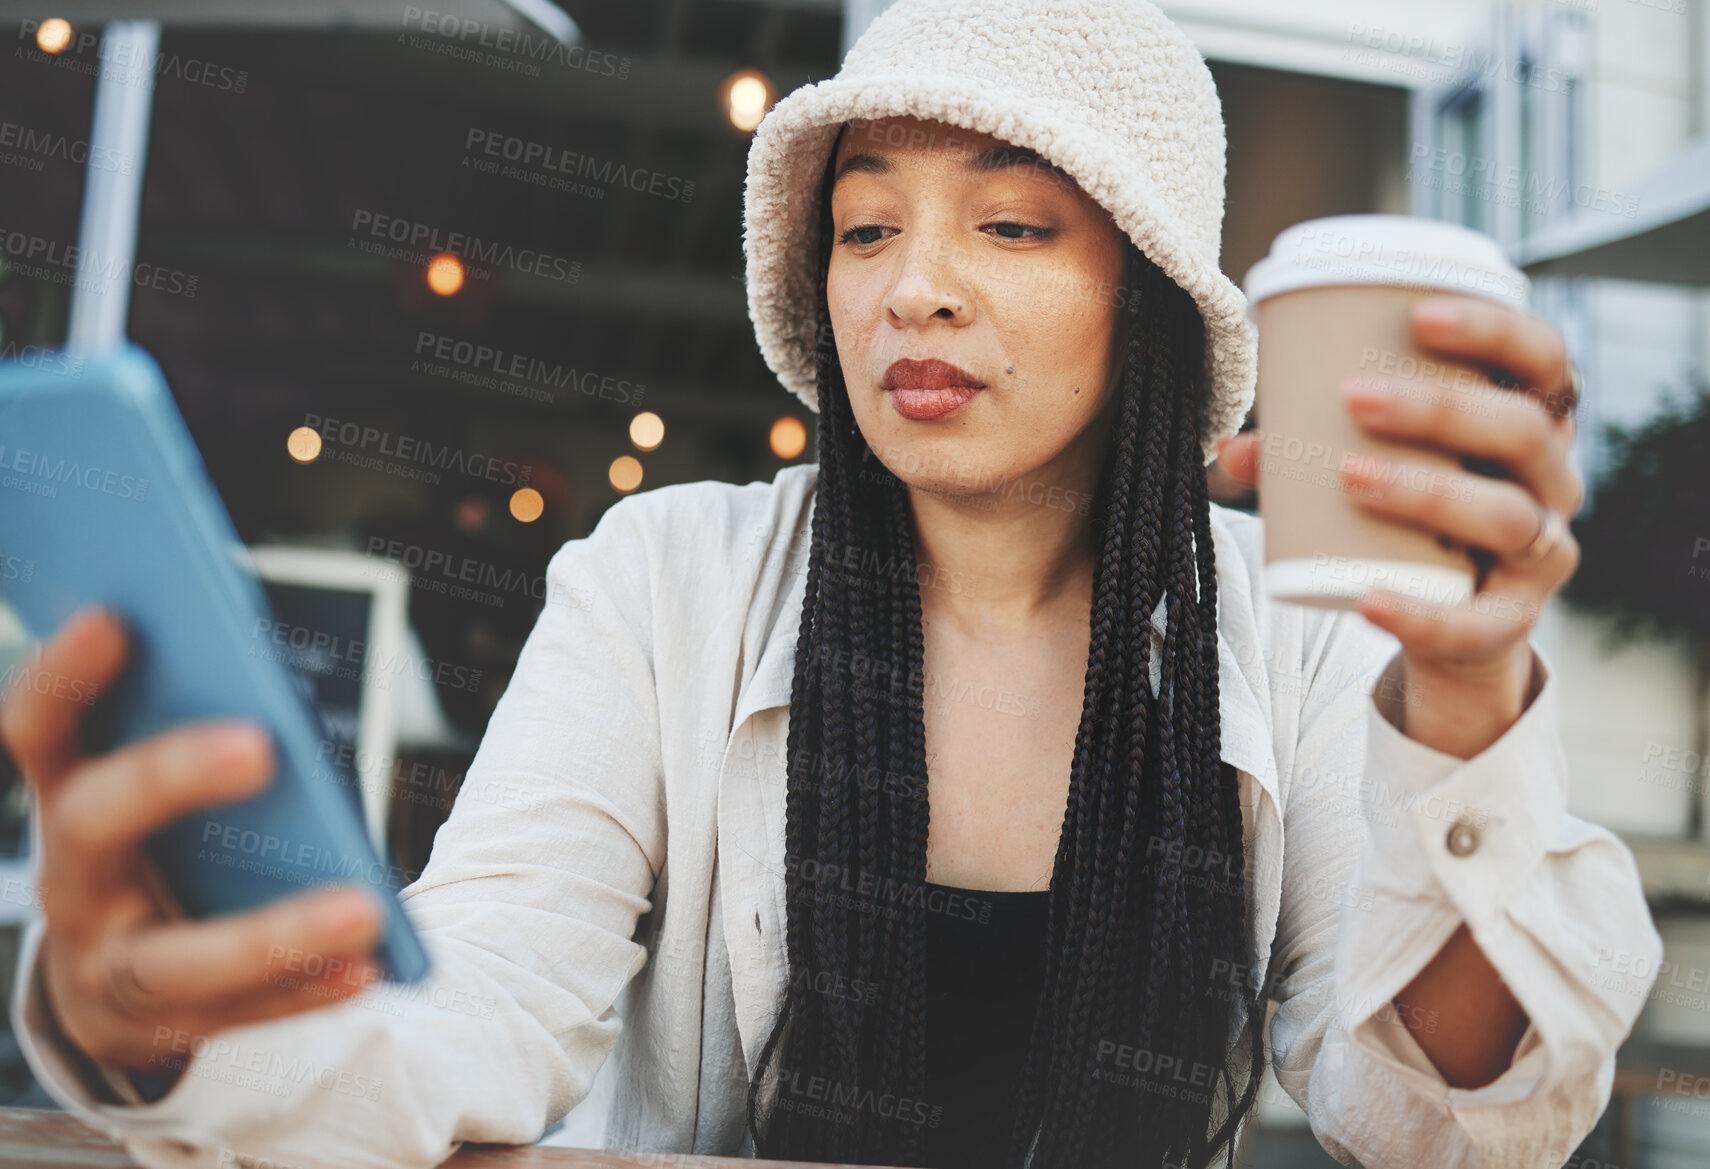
{"x":622,"y":827}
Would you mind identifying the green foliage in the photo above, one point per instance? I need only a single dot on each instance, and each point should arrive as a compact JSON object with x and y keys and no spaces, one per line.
{"x":1645,"y":534}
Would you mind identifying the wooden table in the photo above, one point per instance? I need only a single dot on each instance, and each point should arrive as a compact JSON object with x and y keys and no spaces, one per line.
{"x":33,"y":1138}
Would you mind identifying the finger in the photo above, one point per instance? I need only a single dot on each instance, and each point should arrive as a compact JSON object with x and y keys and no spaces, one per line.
{"x":1238,"y":455}
{"x":115,"y":801}
{"x":1465,"y":634}
{"x":273,"y":950}
{"x":293,"y":994}
{"x":1492,"y":334}
{"x":79,"y":912}
{"x":1471,"y":509}
{"x":1467,"y":415}
{"x":171,"y":1042}
{"x":49,"y":699}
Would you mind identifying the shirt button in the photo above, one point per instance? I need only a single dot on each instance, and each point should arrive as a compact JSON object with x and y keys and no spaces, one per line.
{"x":1463,"y":837}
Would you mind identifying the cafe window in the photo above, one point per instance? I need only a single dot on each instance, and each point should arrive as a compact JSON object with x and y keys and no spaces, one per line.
{"x":1463,"y":195}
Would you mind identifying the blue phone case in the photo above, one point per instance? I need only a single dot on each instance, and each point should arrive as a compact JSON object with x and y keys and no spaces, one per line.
{"x":104,"y":499}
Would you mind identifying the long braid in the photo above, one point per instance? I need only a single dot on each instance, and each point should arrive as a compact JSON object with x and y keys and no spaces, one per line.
{"x":1133,"y":933}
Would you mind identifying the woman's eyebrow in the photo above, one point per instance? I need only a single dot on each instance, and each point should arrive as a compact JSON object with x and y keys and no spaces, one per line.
{"x":995,"y":159}
{"x":1001,"y":157}
{"x":872,"y":164}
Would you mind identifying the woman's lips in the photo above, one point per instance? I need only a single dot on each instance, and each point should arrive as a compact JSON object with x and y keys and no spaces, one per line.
{"x":926,"y":405}
{"x":928,"y":389}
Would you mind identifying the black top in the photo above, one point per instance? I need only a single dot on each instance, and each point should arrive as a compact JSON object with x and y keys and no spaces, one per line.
{"x":982,"y":984}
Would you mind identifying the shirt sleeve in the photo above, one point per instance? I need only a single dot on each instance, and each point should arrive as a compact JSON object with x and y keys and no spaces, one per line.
{"x":1389,"y":845}
{"x":527,"y":908}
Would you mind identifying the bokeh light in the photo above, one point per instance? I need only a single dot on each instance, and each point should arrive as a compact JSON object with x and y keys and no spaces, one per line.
{"x":625,"y":473}
{"x":746,"y":96}
{"x":527,"y":505}
{"x":647,"y":431}
{"x":54,"y":35}
{"x":789,"y":437}
{"x":445,"y":274}
{"x":303,"y":444}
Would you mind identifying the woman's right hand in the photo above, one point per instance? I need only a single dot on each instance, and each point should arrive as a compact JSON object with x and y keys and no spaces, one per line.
{"x":129,"y":983}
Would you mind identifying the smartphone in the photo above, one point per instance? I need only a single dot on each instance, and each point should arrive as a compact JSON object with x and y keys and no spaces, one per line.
{"x":104,"y":499}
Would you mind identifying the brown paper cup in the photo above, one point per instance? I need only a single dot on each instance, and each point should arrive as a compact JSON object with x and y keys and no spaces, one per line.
{"x":1331,"y":303}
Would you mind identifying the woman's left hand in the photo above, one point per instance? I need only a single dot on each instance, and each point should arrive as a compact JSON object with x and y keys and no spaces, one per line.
{"x":1476,"y":656}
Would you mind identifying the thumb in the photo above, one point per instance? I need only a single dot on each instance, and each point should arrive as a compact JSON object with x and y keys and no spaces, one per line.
{"x":1238,"y":455}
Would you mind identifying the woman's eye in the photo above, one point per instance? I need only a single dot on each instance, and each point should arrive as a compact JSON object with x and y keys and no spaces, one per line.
{"x":857,"y":234}
{"x":1015,"y":230}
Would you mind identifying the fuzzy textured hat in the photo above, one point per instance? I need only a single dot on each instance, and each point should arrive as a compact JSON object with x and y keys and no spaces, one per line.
{"x":1108,"y":90}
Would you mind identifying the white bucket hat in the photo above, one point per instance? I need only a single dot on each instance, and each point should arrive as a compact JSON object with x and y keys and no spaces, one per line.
{"x":1108,"y":90}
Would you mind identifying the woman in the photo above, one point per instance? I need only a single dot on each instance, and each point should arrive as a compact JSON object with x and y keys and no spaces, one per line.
{"x":957,"y":799}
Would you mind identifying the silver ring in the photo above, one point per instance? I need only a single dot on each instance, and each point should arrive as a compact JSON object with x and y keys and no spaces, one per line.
{"x":1550,"y":528}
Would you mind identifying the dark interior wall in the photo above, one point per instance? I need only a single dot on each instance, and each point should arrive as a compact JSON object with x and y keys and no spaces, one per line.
{"x":1303,"y":147}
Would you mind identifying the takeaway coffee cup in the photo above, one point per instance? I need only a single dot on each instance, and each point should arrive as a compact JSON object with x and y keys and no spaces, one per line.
{"x":1331,"y":303}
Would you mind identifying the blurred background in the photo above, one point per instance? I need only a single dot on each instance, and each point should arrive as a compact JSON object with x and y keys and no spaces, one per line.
{"x":512,"y":230}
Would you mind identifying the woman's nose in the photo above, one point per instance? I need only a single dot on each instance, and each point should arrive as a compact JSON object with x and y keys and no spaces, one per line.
{"x":929,"y":286}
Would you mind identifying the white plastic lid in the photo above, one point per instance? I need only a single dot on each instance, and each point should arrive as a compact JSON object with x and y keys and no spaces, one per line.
{"x":1398,"y":250}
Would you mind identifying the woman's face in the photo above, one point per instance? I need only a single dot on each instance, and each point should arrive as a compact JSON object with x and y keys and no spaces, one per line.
{"x":956,"y":247}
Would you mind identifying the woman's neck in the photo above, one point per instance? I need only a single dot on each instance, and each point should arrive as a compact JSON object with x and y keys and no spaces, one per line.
{"x":1001,"y":561}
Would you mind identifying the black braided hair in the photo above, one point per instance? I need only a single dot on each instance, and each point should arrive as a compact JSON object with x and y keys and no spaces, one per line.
{"x":1142,"y":945}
